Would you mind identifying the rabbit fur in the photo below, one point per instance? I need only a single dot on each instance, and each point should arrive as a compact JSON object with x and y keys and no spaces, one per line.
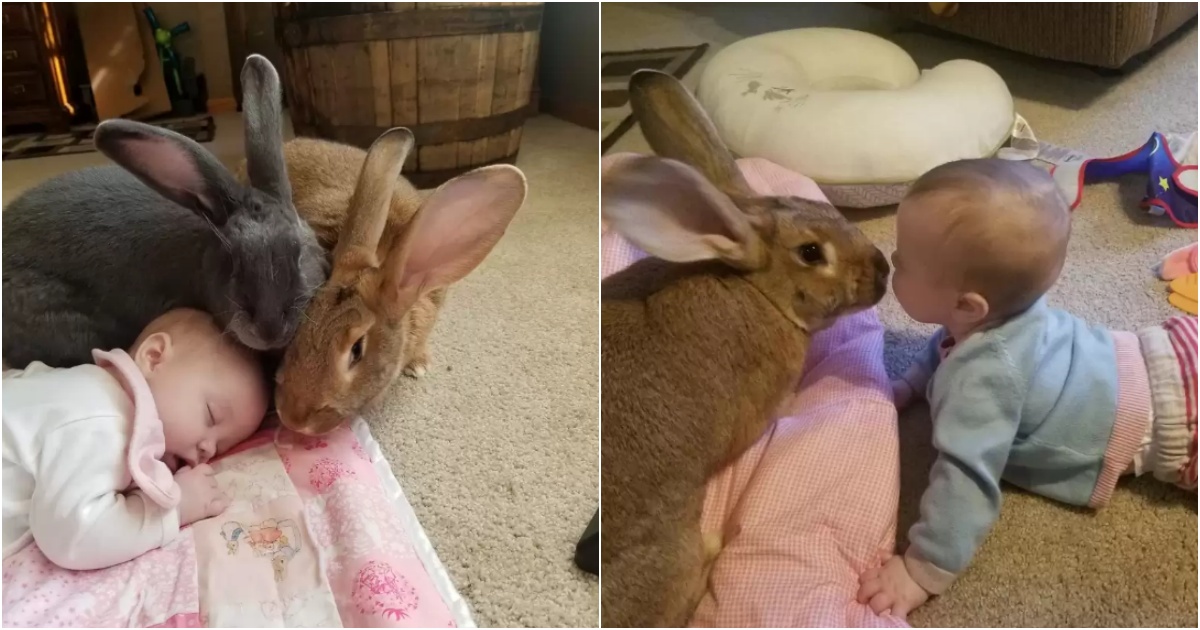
{"x":394,"y":252}
{"x":323,"y":176}
{"x":701,"y":343}
{"x":92,"y":256}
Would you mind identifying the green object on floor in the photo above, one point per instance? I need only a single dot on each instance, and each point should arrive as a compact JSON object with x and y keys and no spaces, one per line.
{"x":164,"y":42}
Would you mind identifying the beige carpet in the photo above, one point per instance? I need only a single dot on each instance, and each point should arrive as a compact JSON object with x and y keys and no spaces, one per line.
{"x":497,"y":447}
{"x":1134,"y":563}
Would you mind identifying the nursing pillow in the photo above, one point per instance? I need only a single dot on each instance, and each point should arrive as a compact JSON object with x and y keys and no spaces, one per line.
{"x":852,"y":110}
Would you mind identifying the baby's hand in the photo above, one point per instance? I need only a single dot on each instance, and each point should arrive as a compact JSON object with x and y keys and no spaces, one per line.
{"x":902,"y":393}
{"x":200,"y":498}
{"x":890,"y":587}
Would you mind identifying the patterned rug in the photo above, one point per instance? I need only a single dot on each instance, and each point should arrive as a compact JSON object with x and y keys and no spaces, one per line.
{"x":615,"y":70}
{"x":200,"y":128}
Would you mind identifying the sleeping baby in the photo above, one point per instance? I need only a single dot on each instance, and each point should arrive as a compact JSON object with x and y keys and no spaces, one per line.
{"x":105,"y":462}
{"x":1018,"y":390}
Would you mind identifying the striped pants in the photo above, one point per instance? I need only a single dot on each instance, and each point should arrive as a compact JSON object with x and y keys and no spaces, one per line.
{"x":1170,"y":353}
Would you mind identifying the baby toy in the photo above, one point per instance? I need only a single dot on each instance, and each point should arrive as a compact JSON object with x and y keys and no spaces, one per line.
{"x":1180,"y":267}
{"x":164,"y":40}
{"x":1183,"y":293}
{"x":1168,"y":160}
{"x":1180,"y":262}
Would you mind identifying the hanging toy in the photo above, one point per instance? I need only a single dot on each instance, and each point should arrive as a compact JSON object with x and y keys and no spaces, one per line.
{"x":1171,"y":183}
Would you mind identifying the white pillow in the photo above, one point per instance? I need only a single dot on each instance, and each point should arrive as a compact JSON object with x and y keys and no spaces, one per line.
{"x":851,"y":110}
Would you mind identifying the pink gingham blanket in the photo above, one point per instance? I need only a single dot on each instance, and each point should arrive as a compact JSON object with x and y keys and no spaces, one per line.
{"x":813,"y":503}
{"x":313,"y":538}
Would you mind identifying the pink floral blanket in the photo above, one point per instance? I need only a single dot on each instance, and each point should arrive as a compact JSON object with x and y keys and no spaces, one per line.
{"x":318,"y":535}
{"x":813,"y":503}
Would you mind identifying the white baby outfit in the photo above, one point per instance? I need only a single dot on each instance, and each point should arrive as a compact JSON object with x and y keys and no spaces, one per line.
{"x":75,"y":440}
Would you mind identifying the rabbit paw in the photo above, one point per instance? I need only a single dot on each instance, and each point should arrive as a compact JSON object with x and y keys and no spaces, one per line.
{"x":417,"y":367}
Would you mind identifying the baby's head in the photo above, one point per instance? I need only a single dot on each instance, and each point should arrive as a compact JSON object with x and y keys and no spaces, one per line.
{"x":209,"y":390}
{"x":978,"y":241}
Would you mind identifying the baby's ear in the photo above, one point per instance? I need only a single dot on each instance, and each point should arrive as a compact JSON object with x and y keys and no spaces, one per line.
{"x":972,"y":308}
{"x":152,"y":352}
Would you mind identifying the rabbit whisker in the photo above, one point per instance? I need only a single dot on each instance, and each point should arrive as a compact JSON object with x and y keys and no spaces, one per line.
{"x":220,"y":237}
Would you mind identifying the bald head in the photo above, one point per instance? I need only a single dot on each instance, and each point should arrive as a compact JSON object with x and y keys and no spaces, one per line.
{"x":195,"y":331}
{"x":1004,"y":226}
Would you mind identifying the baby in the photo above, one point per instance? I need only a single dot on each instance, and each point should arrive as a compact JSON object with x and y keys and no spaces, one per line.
{"x":105,"y":462}
{"x":1018,"y":390}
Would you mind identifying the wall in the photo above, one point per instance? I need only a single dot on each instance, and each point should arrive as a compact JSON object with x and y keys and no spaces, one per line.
{"x":569,"y":66}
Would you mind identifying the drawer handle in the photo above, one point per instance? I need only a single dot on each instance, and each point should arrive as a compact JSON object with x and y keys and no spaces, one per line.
{"x":9,"y":55}
{"x":18,"y":89}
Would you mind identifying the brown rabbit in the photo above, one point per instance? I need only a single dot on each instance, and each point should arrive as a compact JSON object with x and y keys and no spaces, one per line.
{"x":393,"y":256}
{"x":700,"y":344}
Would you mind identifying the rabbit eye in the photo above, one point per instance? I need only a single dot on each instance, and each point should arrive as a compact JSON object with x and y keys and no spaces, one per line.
{"x":811,"y":254}
{"x":356,"y":352}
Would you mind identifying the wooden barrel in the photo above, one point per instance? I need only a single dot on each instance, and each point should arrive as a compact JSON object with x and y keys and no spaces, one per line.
{"x":458,"y":74}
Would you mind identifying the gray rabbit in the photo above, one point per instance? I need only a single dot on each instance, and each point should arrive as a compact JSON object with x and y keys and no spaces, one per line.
{"x":91,"y":257}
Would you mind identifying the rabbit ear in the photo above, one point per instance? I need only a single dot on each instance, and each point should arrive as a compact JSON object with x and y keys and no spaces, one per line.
{"x":676,"y":127}
{"x":261,"y":102}
{"x":671,"y":212}
{"x":373,"y":195}
{"x":173,"y":165}
{"x":455,"y":229}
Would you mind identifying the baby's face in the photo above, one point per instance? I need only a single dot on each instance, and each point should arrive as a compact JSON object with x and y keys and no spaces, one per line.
{"x":918,"y":261}
{"x":209,"y":401}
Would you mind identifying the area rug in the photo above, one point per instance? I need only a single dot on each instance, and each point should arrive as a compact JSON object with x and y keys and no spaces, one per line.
{"x":200,"y":128}
{"x":615,"y":70}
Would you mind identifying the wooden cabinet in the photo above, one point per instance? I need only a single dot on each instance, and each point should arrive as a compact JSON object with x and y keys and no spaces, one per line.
{"x":34,"y":68}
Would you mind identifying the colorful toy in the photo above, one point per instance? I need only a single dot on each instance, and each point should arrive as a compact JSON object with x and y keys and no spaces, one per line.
{"x":1183,"y":293}
{"x":1180,"y":262}
{"x":1171,"y":184}
{"x":163,"y":41}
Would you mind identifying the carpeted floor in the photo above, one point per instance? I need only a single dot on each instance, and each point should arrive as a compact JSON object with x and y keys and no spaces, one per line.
{"x":497,"y":447}
{"x":1134,"y":563}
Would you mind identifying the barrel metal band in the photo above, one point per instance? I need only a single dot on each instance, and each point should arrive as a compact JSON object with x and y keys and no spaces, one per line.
{"x":433,"y":179}
{"x":425,"y":134}
{"x":412,"y":24}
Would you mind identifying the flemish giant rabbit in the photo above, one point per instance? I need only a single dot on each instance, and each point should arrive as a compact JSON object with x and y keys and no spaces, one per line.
{"x":92,"y":256}
{"x":701,"y":343}
{"x":394,"y":253}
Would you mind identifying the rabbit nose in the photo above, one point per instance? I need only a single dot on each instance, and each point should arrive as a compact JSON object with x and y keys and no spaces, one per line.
{"x":307,"y":419}
{"x":882,"y":269}
{"x":326,"y":420}
{"x":320,"y":422}
{"x":289,"y":414}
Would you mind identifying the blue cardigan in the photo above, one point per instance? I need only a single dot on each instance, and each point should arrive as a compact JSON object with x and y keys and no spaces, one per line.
{"x":1032,"y":401}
